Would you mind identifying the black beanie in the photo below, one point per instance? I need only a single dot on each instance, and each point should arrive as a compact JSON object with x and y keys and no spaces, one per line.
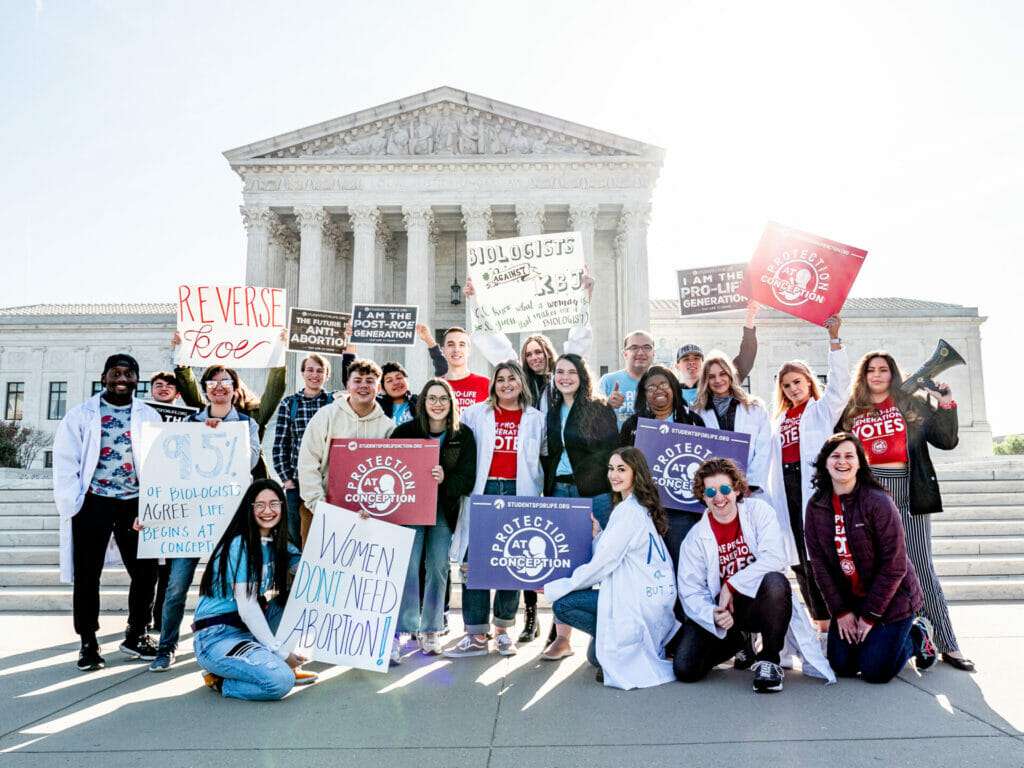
{"x":121,"y":359}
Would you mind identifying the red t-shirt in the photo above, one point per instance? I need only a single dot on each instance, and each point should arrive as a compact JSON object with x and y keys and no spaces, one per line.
{"x":883,"y":433}
{"x":733,"y":553}
{"x":789,"y":431}
{"x":506,"y":443}
{"x":846,"y":563}
{"x":470,"y":390}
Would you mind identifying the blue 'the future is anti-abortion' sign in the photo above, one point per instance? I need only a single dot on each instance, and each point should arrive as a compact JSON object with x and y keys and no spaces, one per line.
{"x":674,"y":452}
{"x":523,"y":542}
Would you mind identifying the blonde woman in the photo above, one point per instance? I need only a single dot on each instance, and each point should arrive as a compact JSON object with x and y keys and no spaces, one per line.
{"x":723,"y":404}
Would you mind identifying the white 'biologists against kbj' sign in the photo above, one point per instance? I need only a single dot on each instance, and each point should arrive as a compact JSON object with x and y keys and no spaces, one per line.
{"x":191,"y":478}
{"x":533,"y":283}
{"x":344,"y":602}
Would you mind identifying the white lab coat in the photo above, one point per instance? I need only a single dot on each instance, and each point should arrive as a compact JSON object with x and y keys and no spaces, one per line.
{"x":700,"y":583}
{"x":817,"y":424}
{"x":750,"y":420}
{"x":635,"y":601}
{"x":529,"y":473}
{"x":76,"y":452}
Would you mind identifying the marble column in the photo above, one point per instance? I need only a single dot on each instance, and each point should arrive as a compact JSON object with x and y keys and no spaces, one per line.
{"x":476,"y":218}
{"x":633,"y":227}
{"x":583,"y":219}
{"x":280,"y":234}
{"x":364,"y":220}
{"x":384,"y":249}
{"x":311,"y":219}
{"x":257,"y":220}
{"x":418,"y":268}
{"x":529,"y":218}
{"x":333,"y":236}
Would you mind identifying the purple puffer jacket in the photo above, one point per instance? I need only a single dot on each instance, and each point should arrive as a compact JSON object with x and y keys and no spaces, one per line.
{"x":874,"y":535}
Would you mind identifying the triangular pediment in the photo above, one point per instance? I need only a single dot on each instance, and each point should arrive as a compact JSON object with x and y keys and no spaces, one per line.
{"x":440,"y":124}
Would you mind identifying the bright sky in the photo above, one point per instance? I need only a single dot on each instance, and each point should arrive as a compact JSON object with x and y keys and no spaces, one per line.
{"x":896,"y":127}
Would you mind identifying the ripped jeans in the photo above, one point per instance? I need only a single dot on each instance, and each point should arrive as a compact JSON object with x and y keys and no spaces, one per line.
{"x":251,"y":672}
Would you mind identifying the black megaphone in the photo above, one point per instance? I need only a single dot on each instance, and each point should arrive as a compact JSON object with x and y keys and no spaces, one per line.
{"x":943,"y":358}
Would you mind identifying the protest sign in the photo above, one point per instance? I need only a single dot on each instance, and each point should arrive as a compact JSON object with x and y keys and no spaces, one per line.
{"x":530,"y":283}
{"x":384,"y":325}
{"x":317,"y":330}
{"x":674,"y":452}
{"x":522,"y":542}
{"x":802,"y":274}
{"x":710,"y":289}
{"x":170,"y":412}
{"x":234,"y":325}
{"x":389,"y":479}
{"x":191,"y":478}
{"x":346,"y":594}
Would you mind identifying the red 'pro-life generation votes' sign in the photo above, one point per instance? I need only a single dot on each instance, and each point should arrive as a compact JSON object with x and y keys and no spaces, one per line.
{"x":802,"y":274}
{"x":389,"y":479}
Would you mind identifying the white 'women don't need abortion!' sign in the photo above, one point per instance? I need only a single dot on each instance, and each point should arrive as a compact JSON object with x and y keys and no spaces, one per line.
{"x":344,"y":602}
{"x":531,"y":283}
{"x":191,"y":479}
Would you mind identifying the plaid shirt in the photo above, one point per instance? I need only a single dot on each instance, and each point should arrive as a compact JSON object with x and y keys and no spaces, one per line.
{"x":288,"y":433}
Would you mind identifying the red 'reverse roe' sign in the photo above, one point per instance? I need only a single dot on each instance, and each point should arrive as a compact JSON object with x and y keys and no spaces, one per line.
{"x":234,"y":325}
{"x":389,"y":479}
{"x":802,"y":274}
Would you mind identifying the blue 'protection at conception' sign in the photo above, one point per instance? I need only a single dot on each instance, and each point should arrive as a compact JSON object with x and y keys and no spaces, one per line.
{"x":674,"y":452}
{"x":523,"y":542}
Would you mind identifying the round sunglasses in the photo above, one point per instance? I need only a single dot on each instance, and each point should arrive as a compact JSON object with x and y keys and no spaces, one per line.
{"x":725,"y":490}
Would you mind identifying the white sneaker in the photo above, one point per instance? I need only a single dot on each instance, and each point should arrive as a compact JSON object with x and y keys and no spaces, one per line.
{"x":468,"y":646}
{"x":430,"y":643}
{"x":506,"y":645}
{"x":396,"y":652}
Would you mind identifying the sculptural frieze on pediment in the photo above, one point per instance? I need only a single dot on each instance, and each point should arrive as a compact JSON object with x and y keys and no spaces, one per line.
{"x":448,"y":129}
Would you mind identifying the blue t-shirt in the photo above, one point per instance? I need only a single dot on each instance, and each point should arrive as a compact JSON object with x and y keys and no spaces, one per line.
{"x":115,"y":476}
{"x":564,"y":466}
{"x":689,"y":394}
{"x":238,"y":569}
{"x":627,"y":386}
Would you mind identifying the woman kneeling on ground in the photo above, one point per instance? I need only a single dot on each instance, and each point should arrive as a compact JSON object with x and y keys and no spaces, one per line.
{"x":630,"y":617}
{"x":856,"y":548}
{"x":732,"y":580}
{"x":234,"y":622}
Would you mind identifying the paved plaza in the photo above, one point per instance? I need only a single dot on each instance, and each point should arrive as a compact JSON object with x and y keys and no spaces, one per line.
{"x":498,"y":712}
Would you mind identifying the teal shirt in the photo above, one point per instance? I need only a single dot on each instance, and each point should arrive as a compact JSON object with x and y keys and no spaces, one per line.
{"x":564,"y":466}
{"x":238,"y":569}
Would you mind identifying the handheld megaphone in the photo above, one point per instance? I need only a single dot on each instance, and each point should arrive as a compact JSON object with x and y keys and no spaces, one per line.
{"x":943,"y":358}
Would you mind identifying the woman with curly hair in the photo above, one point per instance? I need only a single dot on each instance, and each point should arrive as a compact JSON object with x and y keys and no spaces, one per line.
{"x":630,"y":617}
{"x":732,"y":580}
{"x":895,"y":429}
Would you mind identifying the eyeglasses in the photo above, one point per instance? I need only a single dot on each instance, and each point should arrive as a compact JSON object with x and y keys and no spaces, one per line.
{"x":640,"y":348}
{"x":664,"y":386}
{"x":725,"y":490}
{"x":223,"y":384}
{"x":438,"y":399}
{"x":261,"y":506}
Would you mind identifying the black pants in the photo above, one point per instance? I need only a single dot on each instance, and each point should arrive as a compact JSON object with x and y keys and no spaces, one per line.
{"x":769,"y":613}
{"x":794,"y":500}
{"x":90,"y":533}
{"x":164,"y":574}
{"x":679,"y":524}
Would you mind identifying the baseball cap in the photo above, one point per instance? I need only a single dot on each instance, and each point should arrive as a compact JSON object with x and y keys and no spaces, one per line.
{"x":689,"y":349}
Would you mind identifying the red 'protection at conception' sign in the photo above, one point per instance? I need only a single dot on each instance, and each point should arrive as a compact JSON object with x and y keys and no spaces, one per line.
{"x":801,"y":274}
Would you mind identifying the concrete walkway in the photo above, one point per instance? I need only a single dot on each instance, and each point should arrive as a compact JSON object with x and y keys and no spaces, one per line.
{"x":519,"y":712}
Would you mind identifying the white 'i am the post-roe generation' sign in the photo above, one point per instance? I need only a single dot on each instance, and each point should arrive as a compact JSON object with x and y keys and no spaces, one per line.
{"x":191,"y":479}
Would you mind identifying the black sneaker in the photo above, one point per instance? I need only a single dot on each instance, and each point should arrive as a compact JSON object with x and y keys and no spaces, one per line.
{"x":89,"y":658}
{"x":744,"y":658}
{"x":140,"y":647}
{"x":767,"y":677}
{"x":599,"y":676}
{"x":925,"y":654}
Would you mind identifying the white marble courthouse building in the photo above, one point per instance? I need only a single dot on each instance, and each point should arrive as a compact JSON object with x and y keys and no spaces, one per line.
{"x":377,"y":206}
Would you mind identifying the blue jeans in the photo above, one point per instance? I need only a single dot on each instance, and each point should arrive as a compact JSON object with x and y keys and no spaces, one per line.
{"x":183,"y":569}
{"x":602,"y":502}
{"x":251,"y":672}
{"x":291,"y":495}
{"x":430,"y":544}
{"x":579,"y":610}
{"x":476,"y":603}
{"x":879,"y":658}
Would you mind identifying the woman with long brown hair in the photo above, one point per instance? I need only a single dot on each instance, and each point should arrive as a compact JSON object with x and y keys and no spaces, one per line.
{"x":895,"y":429}
{"x":630,"y":617}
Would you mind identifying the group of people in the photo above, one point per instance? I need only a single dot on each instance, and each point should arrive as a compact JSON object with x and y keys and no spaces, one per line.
{"x":838,"y":487}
